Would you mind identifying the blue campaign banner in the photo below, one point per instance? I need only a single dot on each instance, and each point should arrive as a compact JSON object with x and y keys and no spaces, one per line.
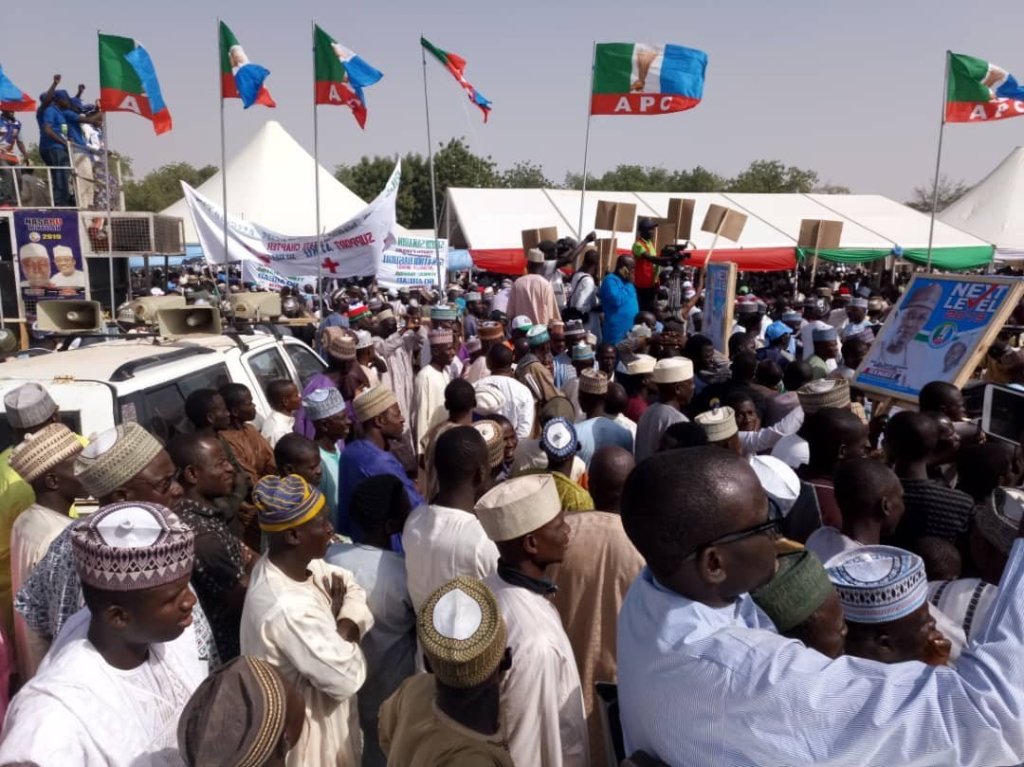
{"x":936,"y":332}
{"x":50,"y":264}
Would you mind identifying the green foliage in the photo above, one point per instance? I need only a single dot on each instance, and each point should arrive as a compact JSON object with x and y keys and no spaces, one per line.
{"x":161,"y":187}
{"x":949,"y":192}
{"x":760,"y":176}
{"x":525,"y":175}
{"x":765,"y":176}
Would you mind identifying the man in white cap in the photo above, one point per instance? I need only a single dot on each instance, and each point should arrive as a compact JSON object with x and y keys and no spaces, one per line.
{"x":28,"y":409}
{"x":35,"y":265}
{"x":118,"y":677}
{"x":444,"y":539}
{"x":674,"y":378}
{"x":452,"y":714}
{"x":884,"y":594}
{"x":326,"y":409}
{"x":532,"y":294}
{"x":46,"y":461}
{"x":366,"y":357}
{"x":517,"y":403}
{"x":826,"y":349}
{"x":430,"y":384}
{"x":67,"y":276}
{"x":856,"y":320}
{"x":542,"y":703}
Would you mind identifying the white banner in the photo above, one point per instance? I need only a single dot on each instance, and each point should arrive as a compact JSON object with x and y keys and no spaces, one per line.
{"x":353,"y":249}
{"x":413,"y":261}
{"x":264,"y":277}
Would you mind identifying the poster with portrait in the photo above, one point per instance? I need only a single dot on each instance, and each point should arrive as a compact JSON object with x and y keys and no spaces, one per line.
{"x":50,"y":264}
{"x":938,"y":331}
{"x":719,"y":297}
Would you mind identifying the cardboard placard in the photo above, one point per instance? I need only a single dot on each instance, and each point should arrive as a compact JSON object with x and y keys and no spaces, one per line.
{"x":724,"y":222}
{"x":719,"y":298}
{"x":533,"y":237}
{"x":606,"y":251}
{"x":680,"y":213}
{"x":819,"y":234}
{"x":939,"y":330}
{"x":665,"y":234}
{"x":615,"y":216}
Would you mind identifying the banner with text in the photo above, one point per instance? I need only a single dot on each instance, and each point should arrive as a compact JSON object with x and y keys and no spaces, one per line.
{"x":411,"y":262}
{"x":49,"y":257}
{"x":353,"y":249}
{"x":265,"y":278}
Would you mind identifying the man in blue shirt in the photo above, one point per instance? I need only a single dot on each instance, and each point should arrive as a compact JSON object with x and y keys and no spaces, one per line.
{"x":10,"y":137}
{"x":53,"y":146}
{"x":619,"y":301}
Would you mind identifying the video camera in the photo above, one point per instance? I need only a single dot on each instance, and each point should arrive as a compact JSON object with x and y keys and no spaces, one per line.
{"x":676,"y":252}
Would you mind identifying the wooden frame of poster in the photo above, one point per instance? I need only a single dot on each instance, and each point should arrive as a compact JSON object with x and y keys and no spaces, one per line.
{"x":719,"y":300}
{"x":939,"y":330}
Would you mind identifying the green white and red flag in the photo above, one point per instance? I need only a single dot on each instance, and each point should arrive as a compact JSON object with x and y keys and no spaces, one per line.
{"x":128,"y":82}
{"x":645,"y":79}
{"x":980,"y":91}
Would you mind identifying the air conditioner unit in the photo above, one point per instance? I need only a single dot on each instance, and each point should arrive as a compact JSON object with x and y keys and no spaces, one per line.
{"x":146,"y":307}
{"x":250,"y":306}
{"x":67,"y":317}
{"x":189,"y":321}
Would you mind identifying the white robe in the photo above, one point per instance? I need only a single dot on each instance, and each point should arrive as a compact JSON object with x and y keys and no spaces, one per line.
{"x":430,"y":386}
{"x":541,"y":699}
{"x":78,"y":710}
{"x":293,"y":626}
{"x":397,"y":352}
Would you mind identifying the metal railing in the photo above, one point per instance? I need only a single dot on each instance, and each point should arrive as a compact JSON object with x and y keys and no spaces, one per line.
{"x":32,"y":186}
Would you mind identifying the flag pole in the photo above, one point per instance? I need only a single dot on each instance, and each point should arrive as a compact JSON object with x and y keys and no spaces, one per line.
{"x":938,"y":165}
{"x":430,"y":156}
{"x":316,"y":182}
{"x":110,"y":224}
{"x":586,"y":141}
{"x":223,"y":149}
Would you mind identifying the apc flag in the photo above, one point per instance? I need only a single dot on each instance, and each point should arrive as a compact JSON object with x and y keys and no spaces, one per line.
{"x":13,"y":98}
{"x":240,"y":78}
{"x":128,"y":82}
{"x":642,"y":79}
{"x":340,"y":75}
{"x":978,"y":91}
{"x":457,"y":66}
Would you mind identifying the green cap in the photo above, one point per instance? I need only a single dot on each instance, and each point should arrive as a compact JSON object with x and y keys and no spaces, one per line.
{"x":800,"y":586}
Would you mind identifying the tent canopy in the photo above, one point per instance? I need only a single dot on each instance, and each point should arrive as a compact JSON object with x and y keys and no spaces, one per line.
{"x":992,"y":210}
{"x":270,"y":182}
{"x":489,"y":222}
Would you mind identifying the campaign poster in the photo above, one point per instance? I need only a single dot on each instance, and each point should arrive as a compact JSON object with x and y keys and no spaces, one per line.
{"x":412,"y":262}
{"x":720,"y":293}
{"x":265,"y":278}
{"x":50,"y":263}
{"x":938,"y":331}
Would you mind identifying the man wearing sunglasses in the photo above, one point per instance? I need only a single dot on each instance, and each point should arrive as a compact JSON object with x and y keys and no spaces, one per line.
{"x":704,"y":678}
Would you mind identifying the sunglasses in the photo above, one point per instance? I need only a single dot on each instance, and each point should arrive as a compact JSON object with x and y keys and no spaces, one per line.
{"x":769,"y":528}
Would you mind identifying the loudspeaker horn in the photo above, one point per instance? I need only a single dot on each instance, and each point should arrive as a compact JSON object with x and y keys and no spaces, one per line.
{"x":189,"y":321}
{"x":146,"y":307}
{"x":67,"y":317}
{"x":250,"y":306}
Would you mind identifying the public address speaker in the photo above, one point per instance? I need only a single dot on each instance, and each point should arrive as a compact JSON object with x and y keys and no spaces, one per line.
{"x":69,"y":316}
{"x":146,"y":307}
{"x":252,"y":306}
{"x":189,"y":321}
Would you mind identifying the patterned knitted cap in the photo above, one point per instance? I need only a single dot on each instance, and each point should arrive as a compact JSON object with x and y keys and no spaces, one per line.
{"x":491,"y":432}
{"x":372,"y":402}
{"x":43,"y":450}
{"x":339,"y":343}
{"x":825,"y":392}
{"x":363,"y":339}
{"x":235,"y":717}
{"x":491,"y":331}
{"x":878,"y":584}
{"x":558,"y":438}
{"x":593,"y":382}
{"x":821,"y":335}
{"x":323,"y":403}
{"x":799,"y":587}
{"x":518,"y":506}
{"x":286,"y":502}
{"x":537,"y":335}
{"x":131,"y":546}
{"x":489,"y":398}
{"x":440,"y":337}
{"x":29,"y":405}
{"x":574,"y":330}
{"x":462,"y":633}
{"x":582,"y":352}
{"x":114,"y":457}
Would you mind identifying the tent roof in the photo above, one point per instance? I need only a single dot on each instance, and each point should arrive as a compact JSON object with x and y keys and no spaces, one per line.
{"x":270,"y":182}
{"x":490,"y":221}
{"x":992,"y":209}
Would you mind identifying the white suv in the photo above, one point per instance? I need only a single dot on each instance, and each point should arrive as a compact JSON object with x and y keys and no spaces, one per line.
{"x":147,"y":379}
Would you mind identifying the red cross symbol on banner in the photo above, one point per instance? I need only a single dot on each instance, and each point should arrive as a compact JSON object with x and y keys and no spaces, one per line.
{"x":330,"y":265}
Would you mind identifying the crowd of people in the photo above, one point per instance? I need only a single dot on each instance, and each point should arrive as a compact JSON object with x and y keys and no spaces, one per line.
{"x":496,"y":498}
{"x":71,"y":147}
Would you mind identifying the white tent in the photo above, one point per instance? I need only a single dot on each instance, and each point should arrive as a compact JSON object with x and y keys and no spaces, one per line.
{"x":994,"y":209}
{"x":270,"y":182}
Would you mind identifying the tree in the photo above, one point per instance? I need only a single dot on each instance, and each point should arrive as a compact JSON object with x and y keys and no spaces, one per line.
{"x":831,"y":189}
{"x":699,"y":179}
{"x":771,"y":176}
{"x":524,"y":175}
{"x":949,"y":192}
{"x":161,"y":187}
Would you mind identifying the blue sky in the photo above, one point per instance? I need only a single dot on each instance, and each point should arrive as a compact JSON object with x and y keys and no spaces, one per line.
{"x":852,"y":89}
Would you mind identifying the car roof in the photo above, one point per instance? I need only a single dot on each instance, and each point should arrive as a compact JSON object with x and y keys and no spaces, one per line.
{"x":97,"y":362}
